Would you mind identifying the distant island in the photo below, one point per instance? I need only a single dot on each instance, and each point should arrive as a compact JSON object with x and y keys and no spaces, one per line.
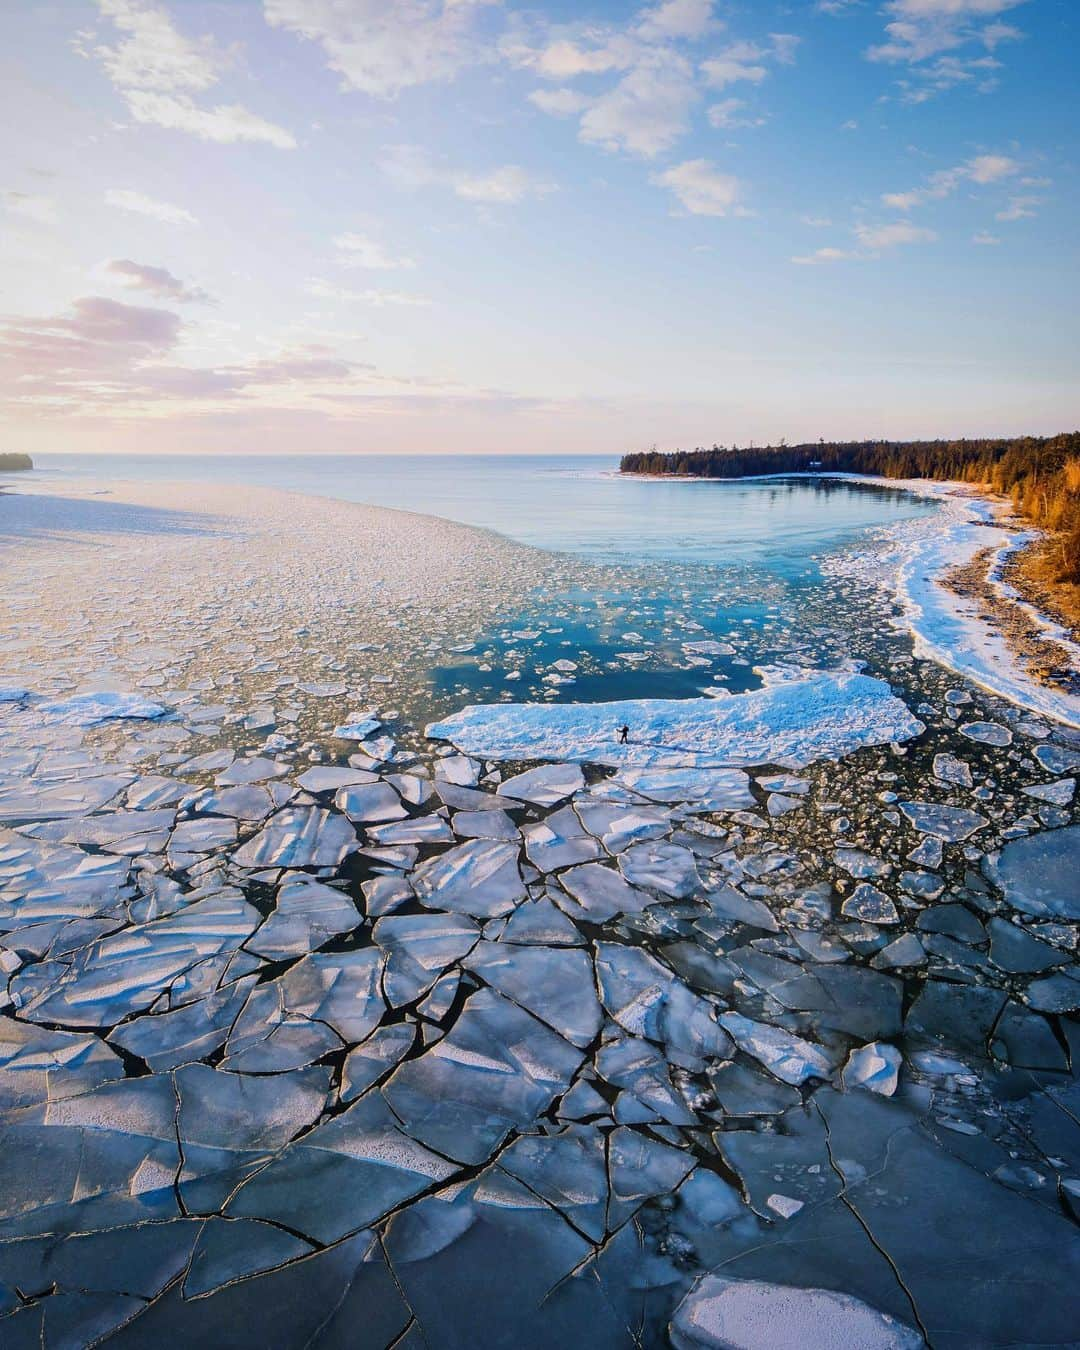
{"x":10,"y":460}
{"x":1040,"y":473}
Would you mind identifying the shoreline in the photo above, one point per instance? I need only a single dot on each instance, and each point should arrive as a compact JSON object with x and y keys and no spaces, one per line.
{"x":1003,"y":672}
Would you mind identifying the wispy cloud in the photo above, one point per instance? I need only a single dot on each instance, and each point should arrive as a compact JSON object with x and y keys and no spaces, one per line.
{"x":156,"y":281}
{"x":701,"y":188}
{"x":507,"y":185}
{"x":658,"y":67}
{"x":157,"y":69}
{"x":981,"y":171}
{"x":381,"y":48}
{"x":126,"y":199}
{"x":729,"y":115}
{"x":944,"y":43}
{"x":327,"y":290}
{"x":892,"y":234}
{"x":360,"y":250}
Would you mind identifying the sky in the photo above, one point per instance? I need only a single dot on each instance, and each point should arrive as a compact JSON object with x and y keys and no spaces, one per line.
{"x":465,"y":225}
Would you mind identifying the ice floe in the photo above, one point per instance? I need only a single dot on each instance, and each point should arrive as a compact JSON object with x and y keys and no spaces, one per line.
{"x":794,"y":722}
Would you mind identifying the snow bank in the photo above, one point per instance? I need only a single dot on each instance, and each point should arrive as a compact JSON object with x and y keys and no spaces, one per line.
{"x":825,"y":714}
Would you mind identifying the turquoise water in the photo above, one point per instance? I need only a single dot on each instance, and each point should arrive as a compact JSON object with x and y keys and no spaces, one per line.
{"x":736,"y":562}
{"x":570,"y":503}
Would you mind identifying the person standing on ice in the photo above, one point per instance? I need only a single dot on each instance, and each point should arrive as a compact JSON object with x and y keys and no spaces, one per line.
{"x":624,"y":735}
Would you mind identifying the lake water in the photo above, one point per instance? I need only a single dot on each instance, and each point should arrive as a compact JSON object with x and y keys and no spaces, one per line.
{"x":736,"y":563}
{"x":571,"y":503}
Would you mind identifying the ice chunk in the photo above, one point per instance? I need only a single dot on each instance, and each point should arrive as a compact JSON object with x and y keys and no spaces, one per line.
{"x":875,"y":1067}
{"x":870,"y":905}
{"x":299,"y":837}
{"x":305,"y":915}
{"x":950,"y":769}
{"x":257,"y":769}
{"x":418,"y":948}
{"x":950,"y":823}
{"x":342,"y":1176}
{"x":88,"y":710}
{"x":166,"y":1040}
{"x":554,"y":985}
{"x":668,"y":868}
{"x":481,"y":878}
{"x":124,"y":973}
{"x":325,"y":778}
{"x":38,"y":1065}
{"x":826,"y":714}
{"x":597,"y":893}
{"x":1039,"y":873}
{"x":646,"y":999}
{"x":59,"y":801}
{"x":370,"y":802}
{"x":559,"y":841}
{"x":496,"y":1070}
{"x":710,"y":789}
{"x":721,"y":1313}
{"x":789,"y":1057}
{"x":987,"y":733}
{"x":545,"y":786}
{"x":617,"y":827}
{"x":385,"y":1047}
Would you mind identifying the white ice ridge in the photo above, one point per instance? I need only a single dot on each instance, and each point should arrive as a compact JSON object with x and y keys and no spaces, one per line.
{"x":823,"y":714}
{"x":915,"y":554}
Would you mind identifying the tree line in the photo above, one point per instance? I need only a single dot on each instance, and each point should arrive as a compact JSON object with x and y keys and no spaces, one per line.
{"x":1040,"y":473}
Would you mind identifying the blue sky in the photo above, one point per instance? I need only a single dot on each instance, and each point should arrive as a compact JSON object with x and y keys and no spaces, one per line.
{"x":456,"y":225}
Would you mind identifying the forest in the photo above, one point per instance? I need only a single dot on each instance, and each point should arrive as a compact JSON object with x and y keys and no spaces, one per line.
{"x":1040,"y":473}
{"x":10,"y":460}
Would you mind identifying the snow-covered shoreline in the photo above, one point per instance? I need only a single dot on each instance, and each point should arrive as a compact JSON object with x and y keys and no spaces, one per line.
{"x":913,"y":557}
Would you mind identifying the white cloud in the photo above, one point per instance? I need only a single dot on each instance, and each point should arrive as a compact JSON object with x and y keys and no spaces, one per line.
{"x":41,"y":210}
{"x":701,"y":188}
{"x":740,"y":62}
{"x":155,"y":69}
{"x":225,"y":124}
{"x":816,"y":222}
{"x":560,"y":102}
{"x":326,"y":290}
{"x":381,"y":47}
{"x":678,"y":19}
{"x":647,"y":111}
{"x":359,"y":250}
{"x":152,"y":54}
{"x":1019,"y":208}
{"x":127,"y":200}
{"x":891,"y":234}
{"x":823,"y":255}
{"x":505,"y":186}
{"x":727,"y":115}
{"x":985,"y":238}
{"x":744,"y":61}
{"x":981,"y":170}
{"x":935,"y":37}
{"x":412,"y":167}
{"x":659,"y":72}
